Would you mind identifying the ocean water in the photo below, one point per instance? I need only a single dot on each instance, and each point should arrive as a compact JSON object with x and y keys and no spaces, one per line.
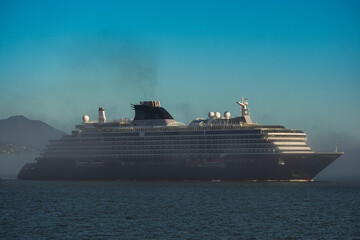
{"x":179,"y":210}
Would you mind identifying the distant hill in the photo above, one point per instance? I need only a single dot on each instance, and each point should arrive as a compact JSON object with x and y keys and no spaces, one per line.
{"x":21,"y":131}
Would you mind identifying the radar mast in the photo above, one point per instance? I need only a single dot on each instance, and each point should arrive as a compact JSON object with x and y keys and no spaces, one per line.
{"x":243,"y":104}
{"x":244,"y":110}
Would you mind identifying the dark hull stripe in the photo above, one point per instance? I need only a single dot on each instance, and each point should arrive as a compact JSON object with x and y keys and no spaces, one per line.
{"x":230,"y":167}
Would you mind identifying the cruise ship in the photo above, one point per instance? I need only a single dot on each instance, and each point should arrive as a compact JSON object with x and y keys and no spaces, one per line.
{"x":154,"y":146}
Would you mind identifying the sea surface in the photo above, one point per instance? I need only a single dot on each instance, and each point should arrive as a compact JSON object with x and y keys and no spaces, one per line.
{"x":179,"y":210}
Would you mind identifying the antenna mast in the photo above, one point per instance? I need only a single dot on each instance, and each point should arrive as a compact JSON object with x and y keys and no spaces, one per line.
{"x":243,"y":104}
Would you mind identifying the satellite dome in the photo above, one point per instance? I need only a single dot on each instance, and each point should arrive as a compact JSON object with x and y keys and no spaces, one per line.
{"x":217,"y":115}
{"x":86,"y":118}
{"x":227,"y":114}
{"x":211,"y":114}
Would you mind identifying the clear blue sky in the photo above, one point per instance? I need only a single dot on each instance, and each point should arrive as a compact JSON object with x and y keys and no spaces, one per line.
{"x":298,"y":62}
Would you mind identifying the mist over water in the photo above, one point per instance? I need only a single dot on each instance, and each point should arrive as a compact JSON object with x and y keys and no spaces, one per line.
{"x":11,"y":164}
{"x":345,"y":168}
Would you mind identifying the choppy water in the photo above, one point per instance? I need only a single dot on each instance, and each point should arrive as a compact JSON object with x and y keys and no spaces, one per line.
{"x":179,"y":210}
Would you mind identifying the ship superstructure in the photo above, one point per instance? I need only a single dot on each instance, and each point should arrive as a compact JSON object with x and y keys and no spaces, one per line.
{"x":154,"y":145}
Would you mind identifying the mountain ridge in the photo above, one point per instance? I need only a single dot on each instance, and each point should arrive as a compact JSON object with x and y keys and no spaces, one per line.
{"x":35,"y":134}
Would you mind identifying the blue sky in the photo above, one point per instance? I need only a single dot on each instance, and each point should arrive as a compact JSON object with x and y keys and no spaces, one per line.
{"x":298,"y":62}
